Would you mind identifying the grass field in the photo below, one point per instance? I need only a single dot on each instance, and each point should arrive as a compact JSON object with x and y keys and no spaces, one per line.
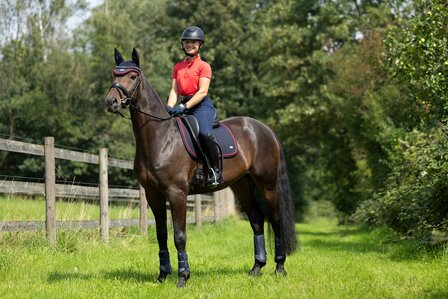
{"x":19,"y":209}
{"x":334,"y":262}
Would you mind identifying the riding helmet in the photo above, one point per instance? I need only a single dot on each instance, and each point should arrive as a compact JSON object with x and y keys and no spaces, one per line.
{"x":193,"y":33}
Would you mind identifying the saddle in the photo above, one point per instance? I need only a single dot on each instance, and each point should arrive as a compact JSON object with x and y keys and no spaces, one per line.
{"x":189,"y":131}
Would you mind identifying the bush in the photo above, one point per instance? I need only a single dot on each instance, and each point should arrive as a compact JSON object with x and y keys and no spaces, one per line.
{"x":416,"y":200}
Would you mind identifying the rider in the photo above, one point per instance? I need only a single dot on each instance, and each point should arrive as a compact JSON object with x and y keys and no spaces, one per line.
{"x":191,"y":80}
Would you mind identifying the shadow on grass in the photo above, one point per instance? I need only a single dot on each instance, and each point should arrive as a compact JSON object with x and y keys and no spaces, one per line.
{"x":434,"y":294}
{"x":128,"y":275}
{"x":391,"y":248}
{"x":354,"y":247}
{"x":140,"y":277}
{"x":55,"y":277}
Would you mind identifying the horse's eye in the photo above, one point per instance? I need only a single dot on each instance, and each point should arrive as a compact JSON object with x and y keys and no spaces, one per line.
{"x":133,"y":77}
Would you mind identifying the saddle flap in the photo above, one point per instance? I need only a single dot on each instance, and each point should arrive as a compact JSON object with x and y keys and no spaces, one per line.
{"x":224,"y":137}
{"x":191,"y":122}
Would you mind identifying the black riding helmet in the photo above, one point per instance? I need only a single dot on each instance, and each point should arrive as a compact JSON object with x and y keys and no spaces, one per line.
{"x":193,"y":33}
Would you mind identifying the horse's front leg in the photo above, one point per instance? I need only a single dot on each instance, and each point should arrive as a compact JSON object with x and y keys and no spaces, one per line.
{"x":178,"y":203}
{"x":158,"y":207}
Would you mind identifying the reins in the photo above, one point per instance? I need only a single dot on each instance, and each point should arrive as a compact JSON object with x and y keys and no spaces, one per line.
{"x":148,"y":114}
{"x":127,"y":101}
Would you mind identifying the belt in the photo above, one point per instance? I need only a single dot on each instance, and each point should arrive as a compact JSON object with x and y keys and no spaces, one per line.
{"x":185,"y":99}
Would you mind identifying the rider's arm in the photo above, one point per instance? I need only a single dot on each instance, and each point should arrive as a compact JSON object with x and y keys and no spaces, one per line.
{"x":172,"y":97}
{"x":204,"y":84}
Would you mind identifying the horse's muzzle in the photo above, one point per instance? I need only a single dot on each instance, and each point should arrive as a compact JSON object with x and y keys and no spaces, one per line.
{"x":113,"y":104}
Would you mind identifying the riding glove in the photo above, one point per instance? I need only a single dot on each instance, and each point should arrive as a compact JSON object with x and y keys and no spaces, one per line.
{"x":177,"y":110}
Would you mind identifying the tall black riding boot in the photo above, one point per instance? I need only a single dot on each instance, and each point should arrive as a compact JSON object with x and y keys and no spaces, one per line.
{"x":215,"y":176}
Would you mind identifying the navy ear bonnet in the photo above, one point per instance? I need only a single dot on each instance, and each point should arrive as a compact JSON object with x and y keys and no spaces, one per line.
{"x":126,"y":67}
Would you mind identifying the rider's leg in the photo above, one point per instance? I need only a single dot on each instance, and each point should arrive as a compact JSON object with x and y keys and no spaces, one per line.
{"x":205,"y":114}
{"x":210,"y":147}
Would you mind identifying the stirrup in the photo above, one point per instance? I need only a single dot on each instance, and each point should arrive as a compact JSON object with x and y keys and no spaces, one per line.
{"x":214,"y":181}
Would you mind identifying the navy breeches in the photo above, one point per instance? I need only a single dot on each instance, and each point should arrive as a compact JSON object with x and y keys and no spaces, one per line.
{"x":204,"y":113}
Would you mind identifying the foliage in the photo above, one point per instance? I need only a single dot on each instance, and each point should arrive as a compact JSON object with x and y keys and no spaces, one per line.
{"x":418,"y":55}
{"x":354,"y":90}
{"x":413,"y":199}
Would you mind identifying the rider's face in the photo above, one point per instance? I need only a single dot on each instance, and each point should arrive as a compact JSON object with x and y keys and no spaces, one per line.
{"x":191,"y":46}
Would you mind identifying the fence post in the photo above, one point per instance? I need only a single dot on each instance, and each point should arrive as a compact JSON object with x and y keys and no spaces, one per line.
{"x":143,"y":212}
{"x":197,"y":210}
{"x":50,"y":190}
{"x":217,"y":200}
{"x":229,"y":200}
{"x":104,"y":194}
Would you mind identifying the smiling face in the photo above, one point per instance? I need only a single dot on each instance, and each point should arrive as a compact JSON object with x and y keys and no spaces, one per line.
{"x":191,"y":47}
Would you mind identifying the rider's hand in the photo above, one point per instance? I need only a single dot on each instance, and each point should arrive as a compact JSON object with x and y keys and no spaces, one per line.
{"x":177,"y":110}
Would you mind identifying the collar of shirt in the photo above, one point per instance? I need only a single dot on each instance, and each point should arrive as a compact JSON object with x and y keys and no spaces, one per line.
{"x":189,"y":63}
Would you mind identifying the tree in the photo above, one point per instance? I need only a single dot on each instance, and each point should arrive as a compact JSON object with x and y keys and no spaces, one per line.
{"x":414,"y":200}
{"x":418,"y":55}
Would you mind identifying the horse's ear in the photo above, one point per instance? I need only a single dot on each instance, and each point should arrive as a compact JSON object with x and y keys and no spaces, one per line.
{"x":135,"y":58}
{"x":118,"y":58}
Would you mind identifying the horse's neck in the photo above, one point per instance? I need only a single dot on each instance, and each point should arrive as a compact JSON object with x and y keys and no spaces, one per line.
{"x":145,"y":119}
{"x":150,"y":101}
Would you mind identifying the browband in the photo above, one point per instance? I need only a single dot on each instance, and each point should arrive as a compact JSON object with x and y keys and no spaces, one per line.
{"x":123,"y":70}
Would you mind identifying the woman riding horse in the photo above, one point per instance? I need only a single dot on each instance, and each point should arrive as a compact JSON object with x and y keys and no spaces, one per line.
{"x":257,"y":174}
{"x":191,"y":80}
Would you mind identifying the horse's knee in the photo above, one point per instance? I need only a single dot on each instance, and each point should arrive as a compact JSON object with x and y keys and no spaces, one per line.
{"x":180,"y":239}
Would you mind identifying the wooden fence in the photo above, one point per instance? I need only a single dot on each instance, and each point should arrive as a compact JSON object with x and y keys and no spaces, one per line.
{"x":223,"y":200}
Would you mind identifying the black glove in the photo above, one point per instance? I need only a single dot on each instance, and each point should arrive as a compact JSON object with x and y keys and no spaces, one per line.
{"x":177,"y":110}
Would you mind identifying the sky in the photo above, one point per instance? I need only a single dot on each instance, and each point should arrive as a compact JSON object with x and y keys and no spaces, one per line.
{"x":78,"y":18}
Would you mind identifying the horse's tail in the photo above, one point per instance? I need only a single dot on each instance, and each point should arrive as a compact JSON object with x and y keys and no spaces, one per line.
{"x":288,"y":238}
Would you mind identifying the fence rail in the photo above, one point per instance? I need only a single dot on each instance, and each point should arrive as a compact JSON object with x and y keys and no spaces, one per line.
{"x":223,"y":200}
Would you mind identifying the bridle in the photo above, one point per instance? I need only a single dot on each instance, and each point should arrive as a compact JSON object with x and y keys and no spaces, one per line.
{"x":128,"y":96}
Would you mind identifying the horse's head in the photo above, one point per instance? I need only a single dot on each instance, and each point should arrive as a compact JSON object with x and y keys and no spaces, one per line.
{"x":127,"y":77}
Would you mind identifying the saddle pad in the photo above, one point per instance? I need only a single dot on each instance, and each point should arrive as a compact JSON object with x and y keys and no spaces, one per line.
{"x":223,"y":135}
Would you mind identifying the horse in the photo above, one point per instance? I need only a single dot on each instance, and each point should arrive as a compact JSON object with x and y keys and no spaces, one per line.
{"x":257,"y":174}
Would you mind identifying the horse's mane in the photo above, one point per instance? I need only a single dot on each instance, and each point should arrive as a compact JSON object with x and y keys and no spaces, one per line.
{"x":152,"y":91}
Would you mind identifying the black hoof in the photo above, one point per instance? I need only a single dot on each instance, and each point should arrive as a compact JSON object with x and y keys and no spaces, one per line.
{"x":280,"y":270}
{"x":256,"y":270}
{"x":162,"y":277}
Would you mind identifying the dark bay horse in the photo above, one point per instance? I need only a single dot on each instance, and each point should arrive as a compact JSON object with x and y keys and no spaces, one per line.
{"x":257,"y":174}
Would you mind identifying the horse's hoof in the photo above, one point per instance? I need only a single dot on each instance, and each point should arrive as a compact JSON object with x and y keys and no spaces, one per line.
{"x":280,"y":270}
{"x":256,"y":271}
{"x":183,"y":277}
{"x":181,"y":282}
{"x":162,"y":277}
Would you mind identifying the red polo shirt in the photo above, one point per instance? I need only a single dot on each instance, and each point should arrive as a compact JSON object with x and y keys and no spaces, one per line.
{"x":187,"y":74}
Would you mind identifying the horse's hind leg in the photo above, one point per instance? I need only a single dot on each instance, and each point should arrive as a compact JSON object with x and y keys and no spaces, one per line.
{"x":271,"y":197}
{"x":280,"y":255}
{"x":245,"y":192}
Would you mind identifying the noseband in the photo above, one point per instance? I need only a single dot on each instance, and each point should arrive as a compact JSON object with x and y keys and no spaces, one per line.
{"x":129,"y":95}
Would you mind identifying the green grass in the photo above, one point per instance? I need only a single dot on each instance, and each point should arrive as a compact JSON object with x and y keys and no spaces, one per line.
{"x":20,"y":209}
{"x":334,"y":262}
